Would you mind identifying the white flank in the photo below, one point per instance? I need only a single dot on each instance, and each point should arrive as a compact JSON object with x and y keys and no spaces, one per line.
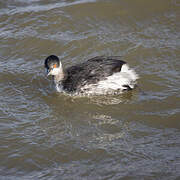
{"x":59,"y":88}
{"x":115,"y":82}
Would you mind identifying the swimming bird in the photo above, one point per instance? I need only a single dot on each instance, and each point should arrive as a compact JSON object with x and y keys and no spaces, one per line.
{"x":99,"y":75}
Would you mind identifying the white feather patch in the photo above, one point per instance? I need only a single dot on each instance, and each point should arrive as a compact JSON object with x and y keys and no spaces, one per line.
{"x":115,"y":82}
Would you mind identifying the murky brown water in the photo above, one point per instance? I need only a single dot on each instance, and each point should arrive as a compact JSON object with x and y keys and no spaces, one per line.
{"x":46,"y":135}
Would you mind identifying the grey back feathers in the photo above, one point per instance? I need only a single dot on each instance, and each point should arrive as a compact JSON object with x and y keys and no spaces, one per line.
{"x":90,"y":72}
{"x":97,"y":74}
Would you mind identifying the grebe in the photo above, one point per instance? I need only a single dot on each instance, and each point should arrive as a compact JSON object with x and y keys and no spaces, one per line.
{"x":99,"y":75}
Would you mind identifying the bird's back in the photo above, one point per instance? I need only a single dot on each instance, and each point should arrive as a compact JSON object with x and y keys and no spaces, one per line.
{"x":91,"y":72}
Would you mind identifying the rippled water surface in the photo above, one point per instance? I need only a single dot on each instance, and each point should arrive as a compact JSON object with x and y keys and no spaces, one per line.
{"x":46,"y":135}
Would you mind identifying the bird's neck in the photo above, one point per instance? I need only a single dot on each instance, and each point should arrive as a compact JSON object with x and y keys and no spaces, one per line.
{"x":59,"y":77}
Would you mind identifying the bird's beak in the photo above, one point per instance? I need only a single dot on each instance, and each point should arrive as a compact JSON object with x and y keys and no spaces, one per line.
{"x":48,"y":72}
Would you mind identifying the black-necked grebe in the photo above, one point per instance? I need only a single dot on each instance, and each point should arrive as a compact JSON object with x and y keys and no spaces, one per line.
{"x":99,"y":75}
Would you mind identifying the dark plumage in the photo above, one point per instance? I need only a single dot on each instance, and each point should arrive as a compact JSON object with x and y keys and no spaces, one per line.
{"x":90,"y":72}
{"x":96,"y":75}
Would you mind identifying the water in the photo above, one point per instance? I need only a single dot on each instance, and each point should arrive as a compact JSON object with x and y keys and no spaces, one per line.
{"x":46,"y":135}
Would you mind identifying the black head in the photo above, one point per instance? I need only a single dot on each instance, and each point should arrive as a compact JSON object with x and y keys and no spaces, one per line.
{"x":51,"y":61}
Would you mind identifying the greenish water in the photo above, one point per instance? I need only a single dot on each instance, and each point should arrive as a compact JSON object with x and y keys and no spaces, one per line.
{"x":46,"y":135}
